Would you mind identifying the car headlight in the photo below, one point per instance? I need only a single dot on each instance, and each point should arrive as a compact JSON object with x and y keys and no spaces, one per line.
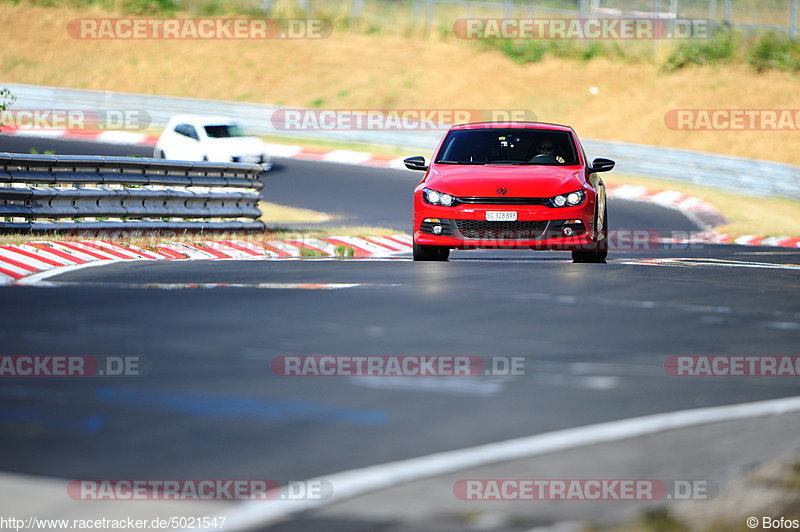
{"x":568,"y":200}
{"x":438,"y":198}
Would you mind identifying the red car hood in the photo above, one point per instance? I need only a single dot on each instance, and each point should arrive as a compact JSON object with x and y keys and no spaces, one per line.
{"x":531,"y":181}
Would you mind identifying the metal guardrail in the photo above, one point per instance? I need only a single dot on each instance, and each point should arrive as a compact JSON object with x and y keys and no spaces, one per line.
{"x":76,"y":193}
{"x":736,"y":174}
{"x":753,"y":177}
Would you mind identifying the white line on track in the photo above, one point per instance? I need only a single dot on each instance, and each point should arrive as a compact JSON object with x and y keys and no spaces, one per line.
{"x":355,"y":482}
{"x":723,"y":263}
{"x":436,"y":385}
{"x":40,"y":277}
{"x":182,"y":286}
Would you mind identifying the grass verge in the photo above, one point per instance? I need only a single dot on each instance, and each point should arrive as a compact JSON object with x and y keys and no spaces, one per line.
{"x":772,"y":489}
{"x":352,"y":70}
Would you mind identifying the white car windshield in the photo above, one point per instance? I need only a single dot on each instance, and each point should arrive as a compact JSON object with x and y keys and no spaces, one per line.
{"x":224,"y":131}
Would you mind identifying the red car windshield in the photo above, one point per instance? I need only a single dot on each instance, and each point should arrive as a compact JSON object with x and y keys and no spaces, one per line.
{"x":508,"y":146}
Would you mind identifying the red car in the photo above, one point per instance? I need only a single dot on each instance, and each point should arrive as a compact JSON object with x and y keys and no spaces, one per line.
{"x":510,"y":185}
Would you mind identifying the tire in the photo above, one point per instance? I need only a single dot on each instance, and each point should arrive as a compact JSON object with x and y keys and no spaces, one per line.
{"x":430,"y":253}
{"x":599,"y":251}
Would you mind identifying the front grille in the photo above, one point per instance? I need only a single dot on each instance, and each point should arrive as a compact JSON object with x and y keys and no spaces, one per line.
{"x":504,"y":201}
{"x":483,"y":230}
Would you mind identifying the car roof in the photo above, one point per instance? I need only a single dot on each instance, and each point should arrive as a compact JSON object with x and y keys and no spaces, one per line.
{"x":513,"y":125}
{"x":202,"y":120}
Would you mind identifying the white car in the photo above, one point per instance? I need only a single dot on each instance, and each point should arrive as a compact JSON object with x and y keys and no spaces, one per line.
{"x":209,"y":138}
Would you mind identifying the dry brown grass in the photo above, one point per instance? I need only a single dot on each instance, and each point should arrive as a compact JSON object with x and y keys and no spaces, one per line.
{"x":358,"y":71}
{"x":281,"y":214}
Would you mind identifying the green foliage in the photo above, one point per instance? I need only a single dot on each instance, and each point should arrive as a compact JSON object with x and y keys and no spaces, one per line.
{"x":520,"y":51}
{"x":523,"y":51}
{"x":308,"y":252}
{"x":718,"y":49}
{"x":149,"y":7}
{"x":345,"y":251}
{"x":774,"y":52}
{"x":6,"y":100}
{"x":660,"y":520}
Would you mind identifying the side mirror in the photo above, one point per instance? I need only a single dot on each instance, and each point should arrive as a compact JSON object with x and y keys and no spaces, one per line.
{"x":602,"y":165}
{"x":415,"y":163}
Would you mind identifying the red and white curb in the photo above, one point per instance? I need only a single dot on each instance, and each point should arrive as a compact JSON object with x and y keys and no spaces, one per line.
{"x":335,"y":156}
{"x":711,"y":237}
{"x":108,"y":137}
{"x":700,"y":212}
{"x":20,"y":261}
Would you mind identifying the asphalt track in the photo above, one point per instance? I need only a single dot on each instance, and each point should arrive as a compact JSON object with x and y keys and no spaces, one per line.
{"x":595,"y":338}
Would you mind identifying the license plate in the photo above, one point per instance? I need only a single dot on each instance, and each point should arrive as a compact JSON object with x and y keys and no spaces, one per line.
{"x":501,"y":216}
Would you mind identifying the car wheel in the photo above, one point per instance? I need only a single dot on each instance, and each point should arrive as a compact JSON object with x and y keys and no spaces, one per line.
{"x":599,"y":251}
{"x":430,"y":253}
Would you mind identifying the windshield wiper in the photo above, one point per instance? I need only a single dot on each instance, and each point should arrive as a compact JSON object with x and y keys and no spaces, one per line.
{"x":459,"y":162}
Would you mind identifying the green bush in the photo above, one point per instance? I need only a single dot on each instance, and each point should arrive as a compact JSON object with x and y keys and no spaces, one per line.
{"x":534,"y":50}
{"x":772,"y":51}
{"x":720,"y":48}
{"x":528,"y":51}
{"x":660,"y":520}
{"x":149,"y":7}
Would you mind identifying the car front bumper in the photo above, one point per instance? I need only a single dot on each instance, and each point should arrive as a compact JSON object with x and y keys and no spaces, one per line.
{"x":536,"y":227}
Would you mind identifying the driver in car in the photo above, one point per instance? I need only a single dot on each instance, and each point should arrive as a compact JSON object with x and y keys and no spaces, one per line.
{"x":545,"y":154}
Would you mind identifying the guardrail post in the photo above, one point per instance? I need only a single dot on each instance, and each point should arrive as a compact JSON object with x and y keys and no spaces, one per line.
{"x":355,"y":8}
{"x":428,"y":15}
{"x":727,"y":12}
